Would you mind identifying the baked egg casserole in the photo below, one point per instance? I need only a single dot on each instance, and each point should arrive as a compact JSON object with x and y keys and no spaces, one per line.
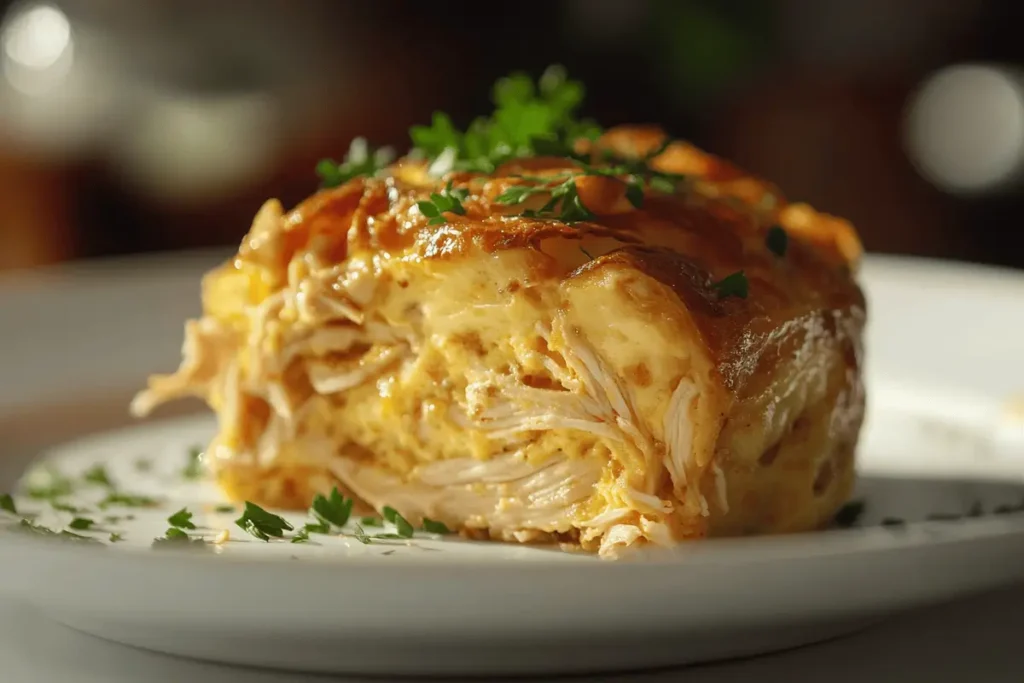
{"x":538,"y":331}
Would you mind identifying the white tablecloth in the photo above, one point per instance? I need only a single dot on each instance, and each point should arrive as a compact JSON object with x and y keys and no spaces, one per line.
{"x":980,"y":640}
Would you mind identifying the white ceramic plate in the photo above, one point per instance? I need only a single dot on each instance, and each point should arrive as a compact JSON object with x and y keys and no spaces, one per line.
{"x":942,"y":437}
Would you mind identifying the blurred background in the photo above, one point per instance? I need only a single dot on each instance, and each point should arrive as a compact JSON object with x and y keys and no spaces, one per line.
{"x":151,"y":125}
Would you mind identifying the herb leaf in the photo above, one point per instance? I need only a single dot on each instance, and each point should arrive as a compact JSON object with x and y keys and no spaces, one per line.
{"x":361,"y":535}
{"x":49,"y":484}
{"x":7,"y":504}
{"x":849,"y":514}
{"x":434,"y":527}
{"x":777,"y":240}
{"x":333,"y":509}
{"x":302,"y":536}
{"x":262,"y":524}
{"x":81,"y":523}
{"x":127,"y":500}
{"x":194,"y":466}
{"x":359,"y":161}
{"x":448,"y":200}
{"x":97,"y":474}
{"x":182,"y":519}
{"x":116,"y":537}
{"x":371,"y":521}
{"x":175,"y":537}
{"x":732,"y":285}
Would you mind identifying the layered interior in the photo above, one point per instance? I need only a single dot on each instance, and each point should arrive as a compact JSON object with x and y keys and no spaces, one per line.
{"x":522,"y":394}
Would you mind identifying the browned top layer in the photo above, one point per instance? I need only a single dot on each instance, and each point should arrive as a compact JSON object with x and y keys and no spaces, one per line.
{"x":714,"y":225}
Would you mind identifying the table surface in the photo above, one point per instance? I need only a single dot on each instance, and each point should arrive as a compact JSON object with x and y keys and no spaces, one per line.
{"x":971,"y":641}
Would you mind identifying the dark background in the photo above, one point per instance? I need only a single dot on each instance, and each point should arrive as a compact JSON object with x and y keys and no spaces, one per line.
{"x":135,"y":126}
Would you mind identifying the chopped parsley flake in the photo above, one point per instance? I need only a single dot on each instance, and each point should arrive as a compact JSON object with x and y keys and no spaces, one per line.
{"x":448,"y":200}
{"x":225,"y":509}
{"x":333,"y":509}
{"x":176,"y":538}
{"x":262,"y":524}
{"x":64,"y":507}
{"x":81,"y":523}
{"x":361,"y":536}
{"x":360,"y":161}
{"x":849,"y":514}
{"x":97,"y":474}
{"x":732,"y":285}
{"x":116,"y":537}
{"x":777,"y":240}
{"x":28,"y":526}
{"x":371,"y":521}
{"x":301,"y":537}
{"x":182,"y":519}
{"x":433,"y":527}
{"x":194,"y":465}
{"x":7,"y":504}
{"x":127,"y":500}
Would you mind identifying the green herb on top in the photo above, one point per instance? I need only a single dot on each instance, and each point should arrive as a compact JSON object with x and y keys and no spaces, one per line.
{"x":434,"y":527}
{"x":563,"y":203}
{"x":371,"y":521}
{"x":182,"y":519}
{"x":360,"y":161}
{"x":64,"y":507}
{"x":777,"y":240}
{"x":81,"y":523}
{"x":448,"y":200}
{"x":849,"y":514}
{"x":262,"y":524}
{"x":732,"y":285}
{"x":130,"y":500}
{"x":225,"y":509}
{"x":529,"y":119}
{"x":302,"y":536}
{"x":194,"y":464}
{"x":7,"y":504}
{"x":318,"y":528}
{"x":97,"y":474}
{"x":116,"y":537}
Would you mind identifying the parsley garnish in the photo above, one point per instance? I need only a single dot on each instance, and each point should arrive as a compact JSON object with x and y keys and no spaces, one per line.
{"x":448,"y":200}
{"x":564,"y":201}
{"x":225,"y":509}
{"x":402,"y":525}
{"x":333,"y":509}
{"x":528,"y":120}
{"x":433,"y":527}
{"x":182,"y":519}
{"x":849,"y":514}
{"x":7,"y":504}
{"x":318,"y":528}
{"x":116,"y":537}
{"x":64,"y":507}
{"x":175,"y":537}
{"x":262,"y":524}
{"x":359,"y":161}
{"x":97,"y":474}
{"x":361,"y":536}
{"x":39,"y":530}
{"x":81,"y":523}
{"x":371,"y":521}
{"x":732,"y":285}
{"x":127,"y":500}
{"x":194,"y":466}
{"x":777,"y":240}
